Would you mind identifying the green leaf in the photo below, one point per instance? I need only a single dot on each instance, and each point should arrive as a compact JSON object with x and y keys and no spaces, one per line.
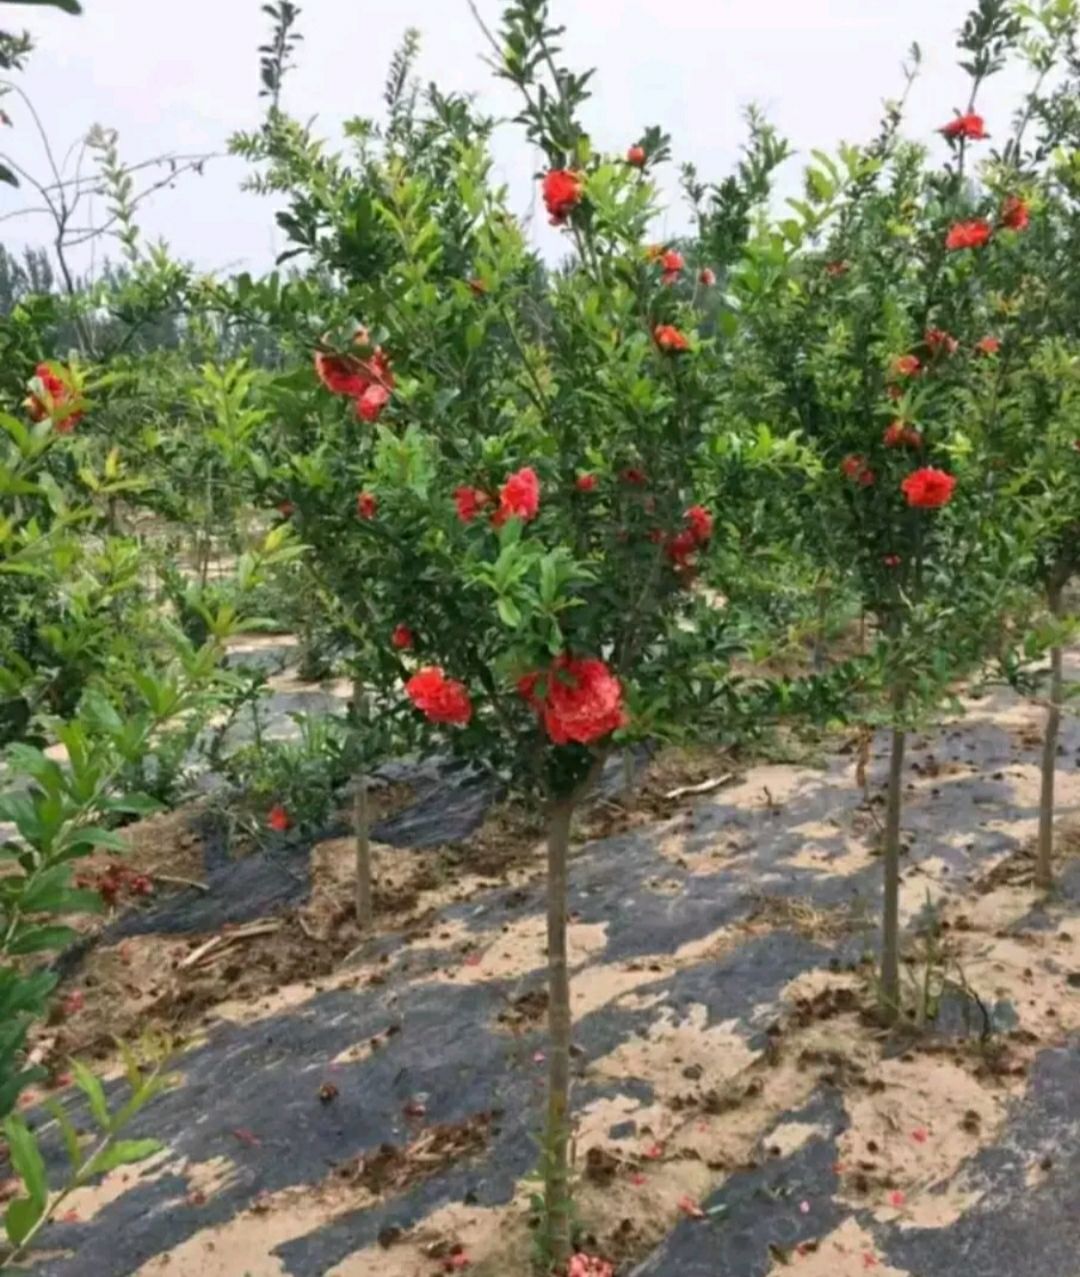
{"x":6,"y":175}
{"x":70,"y":1134}
{"x":509,"y":613}
{"x":94,"y":1092}
{"x":549,"y":583}
{"x":93,"y":836}
{"x":19,"y":1218}
{"x":38,"y":939}
{"x":133,"y":805}
{"x":27,"y":1161}
{"x":123,"y":1153}
{"x":69,"y":6}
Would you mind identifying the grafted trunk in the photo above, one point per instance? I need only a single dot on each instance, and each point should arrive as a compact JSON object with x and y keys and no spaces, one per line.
{"x":890,"y":922}
{"x":365,"y":909}
{"x":556,"y":1168}
{"x":1044,"y":867}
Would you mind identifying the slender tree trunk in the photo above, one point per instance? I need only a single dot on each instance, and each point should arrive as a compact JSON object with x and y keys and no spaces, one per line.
{"x":1044,"y":870}
{"x":557,"y":1134}
{"x":890,"y":940}
{"x":629,"y":778}
{"x":818,"y":654}
{"x":365,"y":909}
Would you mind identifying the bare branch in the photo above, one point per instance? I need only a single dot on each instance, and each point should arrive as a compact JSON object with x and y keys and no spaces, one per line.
{"x":85,"y":234}
{"x":12,"y":87}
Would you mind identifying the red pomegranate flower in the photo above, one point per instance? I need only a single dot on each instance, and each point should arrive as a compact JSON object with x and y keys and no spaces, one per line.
{"x":856,"y":469}
{"x":970,"y":126}
{"x":585,"y":482}
{"x":402,"y":638}
{"x":634,"y":477}
{"x":900,"y":435}
{"x":52,"y":396}
{"x":371,"y":403}
{"x":578,"y":699}
{"x":701,"y":523}
{"x":582,"y":1265}
{"x":682,"y":549}
{"x":562,"y":194}
{"x":286,"y":509}
{"x":469,"y":502}
{"x":1015,"y":213}
{"x":278,"y":819}
{"x":892,"y":560}
{"x":342,"y":374}
{"x":519,"y":498}
{"x":971,"y":234}
{"x":939,"y":342}
{"x":349,"y":375}
{"x":988,"y":345}
{"x":906,"y":366}
{"x":636,"y":156}
{"x":367,"y":505}
{"x":442,"y":699}
{"x":670,"y":340}
{"x":707,"y":277}
{"x":673,"y":261}
{"x":927,"y":489}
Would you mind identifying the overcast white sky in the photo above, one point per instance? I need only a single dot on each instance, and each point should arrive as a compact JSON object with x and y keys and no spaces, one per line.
{"x":181,"y":75}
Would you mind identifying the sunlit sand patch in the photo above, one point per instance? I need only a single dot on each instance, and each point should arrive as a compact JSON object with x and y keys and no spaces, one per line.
{"x":1031,"y":976}
{"x":770,"y":787}
{"x":855,"y":856}
{"x":789,"y":1137}
{"x":243,"y":1244}
{"x":495,"y":1240}
{"x":810,"y":984}
{"x":997,"y":910}
{"x":653,"y":1124}
{"x":848,"y":1251}
{"x":286,"y":998}
{"x":594,"y":987}
{"x":919,"y":1123}
{"x":521,"y":948}
{"x":672,"y":1045}
{"x":925,"y":886}
{"x":939,"y":1209}
{"x":86,"y":1203}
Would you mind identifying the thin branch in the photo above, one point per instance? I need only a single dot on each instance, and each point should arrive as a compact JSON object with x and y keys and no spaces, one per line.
{"x":23,"y":212}
{"x":12,"y":87}
{"x":486,"y":30}
{"x":196,"y":157}
{"x":43,"y":191}
{"x":87,"y":234}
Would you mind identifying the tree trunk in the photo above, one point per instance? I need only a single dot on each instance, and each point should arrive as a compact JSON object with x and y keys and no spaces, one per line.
{"x":817,"y":659}
{"x":890,"y":943}
{"x":557,"y":1134}
{"x":365,"y":909}
{"x":1044,"y":869}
